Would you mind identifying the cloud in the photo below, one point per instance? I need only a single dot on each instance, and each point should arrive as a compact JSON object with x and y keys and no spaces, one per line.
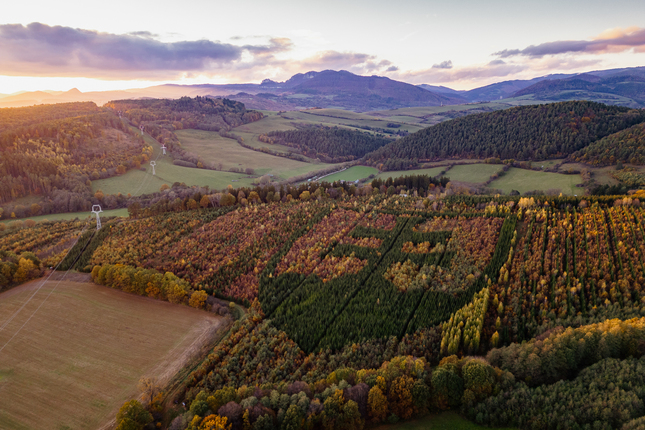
{"x":612,"y":41}
{"x":145,"y":34}
{"x":38,"y":49}
{"x":443,"y":65}
{"x":472,"y":74}
{"x":41,"y":50}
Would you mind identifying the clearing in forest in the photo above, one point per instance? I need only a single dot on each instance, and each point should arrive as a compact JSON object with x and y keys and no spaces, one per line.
{"x":80,"y":357}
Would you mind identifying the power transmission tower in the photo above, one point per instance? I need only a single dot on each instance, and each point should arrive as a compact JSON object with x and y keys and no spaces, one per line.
{"x":96,"y":209}
{"x":141,"y":128}
{"x":153,"y":163}
{"x":163,"y":147}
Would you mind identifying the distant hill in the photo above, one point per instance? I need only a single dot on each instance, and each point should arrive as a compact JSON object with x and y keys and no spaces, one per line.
{"x":534,"y":132}
{"x":440,"y":89}
{"x":492,"y":92}
{"x":622,"y":86}
{"x":345,"y":90}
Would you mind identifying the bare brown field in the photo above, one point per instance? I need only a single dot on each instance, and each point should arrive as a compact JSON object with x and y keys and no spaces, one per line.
{"x":80,"y":356}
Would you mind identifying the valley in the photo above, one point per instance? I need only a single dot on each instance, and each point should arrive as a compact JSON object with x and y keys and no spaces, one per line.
{"x":379,"y":262}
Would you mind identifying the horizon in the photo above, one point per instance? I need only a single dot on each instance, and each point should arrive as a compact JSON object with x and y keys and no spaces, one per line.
{"x":47,"y":47}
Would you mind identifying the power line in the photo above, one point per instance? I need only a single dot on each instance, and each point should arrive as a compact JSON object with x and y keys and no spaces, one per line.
{"x":4,"y":325}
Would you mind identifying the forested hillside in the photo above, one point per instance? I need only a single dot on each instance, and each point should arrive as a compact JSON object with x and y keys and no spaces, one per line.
{"x":626,"y":146}
{"x":330,"y":145}
{"x":525,"y":133}
{"x":16,"y":117}
{"x":161,"y":117}
{"x":382,"y":307}
{"x":41,"y":156}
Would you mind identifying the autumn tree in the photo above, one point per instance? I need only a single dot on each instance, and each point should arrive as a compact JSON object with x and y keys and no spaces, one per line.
{"x":293,"y":419}
{"x":215,"y":422}
{"x":132,"y":416}
{"x":341,"y":415}
{"x":400,"y":396}
{"x":26,"y":270}
{"x":198,"y":299}
{"x":192,"y":204}
{"x":35,"y":209}
{"x":149,"y":388}
{"x":176,"y":294}
{"x":377,"y":407}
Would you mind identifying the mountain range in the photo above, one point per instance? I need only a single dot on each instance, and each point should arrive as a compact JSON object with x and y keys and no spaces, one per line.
{"x":342,"y":89}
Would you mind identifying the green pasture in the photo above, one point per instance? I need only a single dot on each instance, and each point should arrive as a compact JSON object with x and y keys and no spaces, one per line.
{"x":352,"y":174}
{"x":272,"y":121}
{"x":138,"y":182}
{"x":421,"y":112}
{"x":338,"y":117}
{"x":473,"y":173}
{"x":214,"y":149}
{"x":70,"y":216}
{"x":529,"y":180}
{"x":252,"y":140}
{"x":444,"y":421}
{"x":434,"y":171}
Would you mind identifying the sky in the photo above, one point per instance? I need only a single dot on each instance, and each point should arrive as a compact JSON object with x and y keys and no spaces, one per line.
{"x":97,"y":45}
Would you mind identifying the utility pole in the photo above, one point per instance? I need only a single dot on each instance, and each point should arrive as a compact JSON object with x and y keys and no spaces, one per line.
{"x":96,"y":209}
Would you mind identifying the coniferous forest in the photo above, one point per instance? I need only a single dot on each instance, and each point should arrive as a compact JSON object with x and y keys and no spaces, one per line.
{"x":536,"y":132}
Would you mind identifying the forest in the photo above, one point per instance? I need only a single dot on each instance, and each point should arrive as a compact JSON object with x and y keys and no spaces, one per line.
{"x":55,"y":151}
{"x":330,"y":145}
{"x":56,"y":158}
{"x":536,"y":132}
{"x":383,"y":307}
{"x":625,"y":146}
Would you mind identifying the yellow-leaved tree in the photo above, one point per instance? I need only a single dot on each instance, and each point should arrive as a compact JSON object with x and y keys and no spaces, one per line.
{"x":198,"y":299}
{"x":215,"y":422}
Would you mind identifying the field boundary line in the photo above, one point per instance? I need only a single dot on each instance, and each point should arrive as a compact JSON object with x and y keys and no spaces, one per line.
{"x":4,"y":325}
{"x":46,"y":298}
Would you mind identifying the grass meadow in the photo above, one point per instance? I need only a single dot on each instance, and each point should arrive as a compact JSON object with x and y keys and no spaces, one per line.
{"x":529,"y":180}
{"x":212,"y":148}
{"x":352,"y":174}
{"x":71,"y":215}
{"x":444,"y":421}
{"x":81,"y":355}
{"x":433,"y":171}
{"x":138,"y":182}
{"x":473,"y":173}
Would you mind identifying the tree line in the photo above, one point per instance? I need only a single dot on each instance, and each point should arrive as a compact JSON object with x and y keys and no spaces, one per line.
{"x":329,"y":144}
